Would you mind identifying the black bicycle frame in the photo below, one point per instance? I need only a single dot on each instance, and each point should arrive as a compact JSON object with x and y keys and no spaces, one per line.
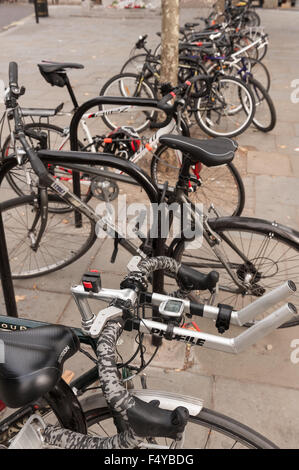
{"x":69,"y":158}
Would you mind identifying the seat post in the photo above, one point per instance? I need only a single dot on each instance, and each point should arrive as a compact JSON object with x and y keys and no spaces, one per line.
{"x":71,"y":93}
{"x":184,"y":172}
{"x":76,"y":174}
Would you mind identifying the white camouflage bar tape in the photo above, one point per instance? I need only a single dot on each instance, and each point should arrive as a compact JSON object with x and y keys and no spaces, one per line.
{"x":147,"y":266}
{"x":115,"y":394}
{"x":65,"y":439}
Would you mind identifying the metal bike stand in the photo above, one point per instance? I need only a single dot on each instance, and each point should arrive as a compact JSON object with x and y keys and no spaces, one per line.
{"x":158,"y":276}
{"x":6,"y":279}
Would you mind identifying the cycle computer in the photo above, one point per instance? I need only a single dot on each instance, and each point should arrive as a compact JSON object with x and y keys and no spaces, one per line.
{"x":172,"y":308}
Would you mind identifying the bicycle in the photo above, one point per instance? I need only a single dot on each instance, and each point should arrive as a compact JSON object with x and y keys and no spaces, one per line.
{"x":265,"y":115}
{"x":243,"y":276}
{"x":214,"y":106}
{"x":141,"y":417}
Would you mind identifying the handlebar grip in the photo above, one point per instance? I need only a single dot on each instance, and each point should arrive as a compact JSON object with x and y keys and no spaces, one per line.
{"x":162,"y":103}
{"x":13,"y":74}
{"x":168,"y":109}
{"x":139,"y":44}
{"x":147,"y":420}
{"x":191,"y":279}
{"x":160,"y":125}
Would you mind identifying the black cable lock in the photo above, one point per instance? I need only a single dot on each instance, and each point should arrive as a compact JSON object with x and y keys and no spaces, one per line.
{"x":223,"y":318}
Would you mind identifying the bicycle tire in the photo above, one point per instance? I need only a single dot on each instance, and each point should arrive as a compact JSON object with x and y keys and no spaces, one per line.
{"x":119,"y":91}
{"x":251,"y":18}
{"x":224,"y":178}
{"x":243,"y":94}
{"x":256,"y":68}
{"x":262,"y":99}
{"x":244,"y":41}
{"x":212,"y":424}
{"x":266,"y":79}
{"x":272,"y":250}
{"x":16,"y":177}
{"x":260,"y":52}
{"x":134,"y":64}
{"x":21,"y":211}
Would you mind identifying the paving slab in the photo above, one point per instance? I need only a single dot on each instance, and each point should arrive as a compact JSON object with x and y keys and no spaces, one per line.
{"x":46,"y":307}
{"x":278,"y":190}
{"x":272,"y":411}
{"x":266,"y":163}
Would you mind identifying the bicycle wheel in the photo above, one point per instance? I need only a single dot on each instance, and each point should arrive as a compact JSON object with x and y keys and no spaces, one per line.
{"x":261,"y":49}
{"x":134,"y":64}
{"x":255,"y":67}
{"x":251,"y":18}
{"x":127,"y":85}
{"x":22,"y":178}
{"x":62,"y":242}
{"x":260,"y":254}
{"x":220,"y":185}
{"x":265,"y":114}
{"x":228,"y":110}
{"x":207,"y":430}
{"x":244,"y":41}
{"x":260,"y":73}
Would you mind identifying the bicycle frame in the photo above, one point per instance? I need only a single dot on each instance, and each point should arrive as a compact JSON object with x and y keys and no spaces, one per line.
{"x":150,"y":145}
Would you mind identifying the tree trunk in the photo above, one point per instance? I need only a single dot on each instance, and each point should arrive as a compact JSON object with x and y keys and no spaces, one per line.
{"x":170,"y":41}
{"x":219,"y":7}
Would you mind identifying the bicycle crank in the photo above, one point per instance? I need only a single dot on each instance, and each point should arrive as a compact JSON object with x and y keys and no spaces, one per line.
{"x":103,"y":189}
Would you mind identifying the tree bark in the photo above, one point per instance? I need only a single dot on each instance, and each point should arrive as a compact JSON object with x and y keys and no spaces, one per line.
{"x":219,"y":7}
{"x":170,"y":41}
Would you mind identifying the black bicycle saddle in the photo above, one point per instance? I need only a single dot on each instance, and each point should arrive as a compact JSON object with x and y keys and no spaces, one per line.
{"x":48,"y":67}
{"x":33,"y":362}
{"x":210,"y":152}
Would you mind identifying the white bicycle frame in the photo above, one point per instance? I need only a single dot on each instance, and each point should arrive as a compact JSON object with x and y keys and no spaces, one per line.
{"x":151,"y":142}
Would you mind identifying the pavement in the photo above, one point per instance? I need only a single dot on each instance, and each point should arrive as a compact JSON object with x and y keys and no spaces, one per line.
{"x":11,"y":13}
{"x":259,"y":387}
